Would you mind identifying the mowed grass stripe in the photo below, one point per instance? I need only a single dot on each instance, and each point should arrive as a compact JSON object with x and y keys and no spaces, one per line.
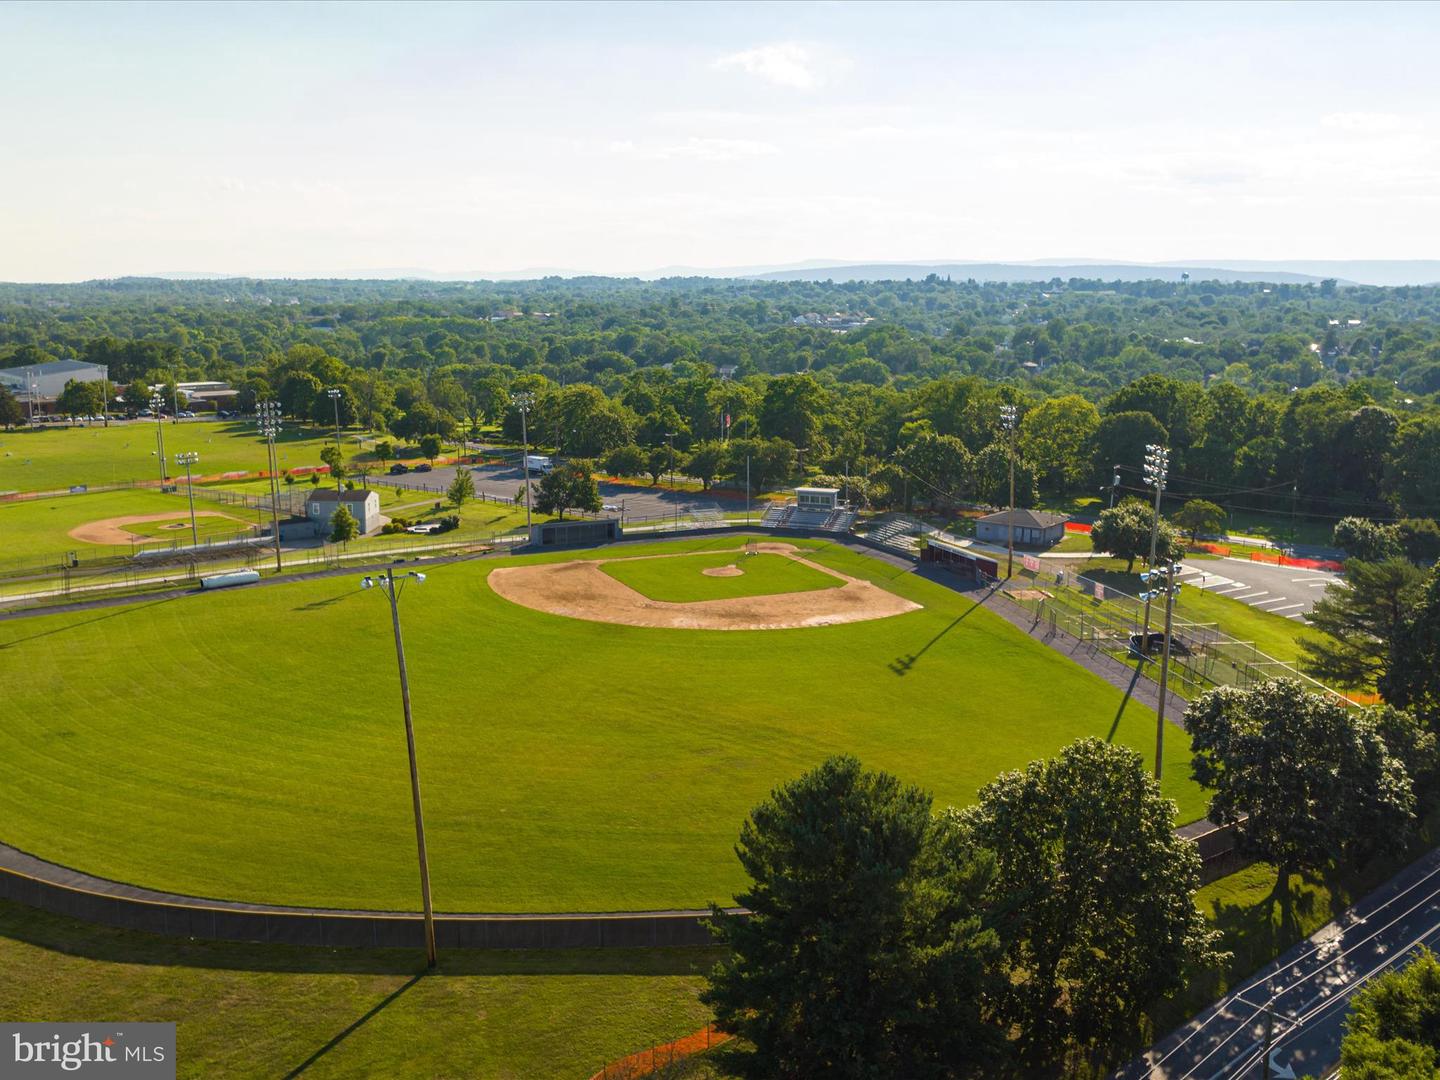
{"x":249,"y":745}
{"x":682,"y":580}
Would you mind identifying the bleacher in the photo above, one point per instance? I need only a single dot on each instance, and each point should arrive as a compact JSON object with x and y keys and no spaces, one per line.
{"x":708,"y":517}
{"x":790,"y":516}
{"x":776,"y":516}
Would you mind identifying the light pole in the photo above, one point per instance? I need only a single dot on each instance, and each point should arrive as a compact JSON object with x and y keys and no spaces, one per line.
{"x":334,"y":395}
{"x":1157,"y":467}
{"x":1114,"y":484}
{"x":387,"y":583}
{"x":524,"y":401}
{"x":157,"y":402}
{"x":188,"y":458}
{"x":1007,"y":421}
{"x":1162,"y":580}
{"x":269,"y":416}
{"x":670,"y":442}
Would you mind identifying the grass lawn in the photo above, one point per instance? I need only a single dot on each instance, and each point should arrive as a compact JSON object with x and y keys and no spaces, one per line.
{"x":1077,"y":543}
{"x":51,"y":458}
{"x":247,"y":744}
{"x":37,"y":530}
{"x":266,"y":1011}
{"x":682,"y":581}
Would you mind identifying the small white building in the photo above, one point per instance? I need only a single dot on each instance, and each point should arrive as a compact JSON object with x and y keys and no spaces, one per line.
{"x":1033,"y":528}
{"x":817,"y":498}
{"x":363,"y":505}
{"x":41,"y":384}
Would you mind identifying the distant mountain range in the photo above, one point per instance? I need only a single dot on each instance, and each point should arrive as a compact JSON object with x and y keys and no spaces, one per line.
{"x":1281,"y":271}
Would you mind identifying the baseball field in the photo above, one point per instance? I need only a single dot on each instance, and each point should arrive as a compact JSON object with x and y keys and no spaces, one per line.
{"x":248,"y":745}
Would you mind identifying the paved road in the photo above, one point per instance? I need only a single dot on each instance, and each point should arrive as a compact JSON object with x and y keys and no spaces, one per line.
{"x":1280,"y":590}
{"x":1308,"y":989}
{"x":506,"y":480}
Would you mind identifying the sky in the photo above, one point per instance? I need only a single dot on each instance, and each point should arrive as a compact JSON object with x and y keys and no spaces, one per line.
{"x":316,"y":139}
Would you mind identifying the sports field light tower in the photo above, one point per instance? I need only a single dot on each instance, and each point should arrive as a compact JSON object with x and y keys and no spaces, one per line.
{"x":268,"y":413}
{"x":334,"y":395}
{"x":1157,"y":468}
{"x":157,"y":403}
{"x":1162,"y":580}
{"x":1007,"y":421}
{"x":386,"y":582}
{"x":188,"y":458}
{"x":525,"y":401}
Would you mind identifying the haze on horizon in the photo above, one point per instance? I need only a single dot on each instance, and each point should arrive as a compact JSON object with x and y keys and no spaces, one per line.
{"x":299,"y":140}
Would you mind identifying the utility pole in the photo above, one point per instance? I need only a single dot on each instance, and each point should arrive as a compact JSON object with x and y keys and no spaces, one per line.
{"x":334,"y":395}
{"x":387,"y":583}
{"x":670,"y":442}
{"x":1114,"y":484}
{"x":1007,"y":421}
{"x":157,"y":402}
{"x":523,"y":401}
{"x":747,"y":489}
{"x":269,"y":416}
{"x":1157,"y":468}
{"x":188,"y":458}
{"x":1167,"y":583}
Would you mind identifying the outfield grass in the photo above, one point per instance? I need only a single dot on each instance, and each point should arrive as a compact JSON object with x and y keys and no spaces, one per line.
{"x":247,"y":745}
{"x":682,"y":581}
{"x":34,"y":530}
{"x":52,"y":458}
{"x":265,"y":1011}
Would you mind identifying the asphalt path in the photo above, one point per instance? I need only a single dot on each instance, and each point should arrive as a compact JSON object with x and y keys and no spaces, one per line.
{"x":1307,"y":990}
{"x":1286,"y":591}
{"x":505,"y":482}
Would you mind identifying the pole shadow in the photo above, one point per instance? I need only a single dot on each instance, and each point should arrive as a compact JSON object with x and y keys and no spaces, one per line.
{"x":126,"y":609}
{"x":354,"y":1027}
{"x":902,"y":665}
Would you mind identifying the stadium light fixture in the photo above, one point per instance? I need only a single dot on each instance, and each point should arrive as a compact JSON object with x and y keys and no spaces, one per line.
{"x":334,"y":394}
{"x":268,"y":414}
{"x":157,"y":403}
{"x":188,"y":458}
{"x":1008,"y":414}
{"x":524,"y":401}
{"x":387,"y":583}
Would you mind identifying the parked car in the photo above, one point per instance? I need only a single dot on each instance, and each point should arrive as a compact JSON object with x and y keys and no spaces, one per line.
{"x":399,"y":469}
{"x":424,"y":466}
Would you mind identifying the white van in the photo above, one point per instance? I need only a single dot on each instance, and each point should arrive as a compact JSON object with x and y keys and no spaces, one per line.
{"x":539,"y":463}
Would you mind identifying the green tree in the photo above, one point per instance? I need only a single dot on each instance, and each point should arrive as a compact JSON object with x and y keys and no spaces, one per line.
{"x":1123,"y":531}
{"x":1200,"y":515}
{"x":1410,"y":472}
{"x":939,"y":465}
{"x":771,"y":461}
{"x":137,"y":396}
{"x":793,"y":408}
{"x":1393,"y":1029}
{"x":343,"y":526}
{"x":1419,"y":539}
{"x":1412,"y":678}
{"x":1056,"y":437}
{"x":1361,"y":538}
{"x":461,"y":489}
{"x":705,"y":461}
{"x":81,"y":399}
{"x":628,"y":460}
{"x":1360,"y":621}
{"x":1309,"y":779}
{"x":384,"y":451}
{"x":866,"y":954}
{"x":333,"y":456}
{"x":1120,"y":439}
{"x":11,"y":411}
{"x":568,"y":487}
{"x":430,"y":446}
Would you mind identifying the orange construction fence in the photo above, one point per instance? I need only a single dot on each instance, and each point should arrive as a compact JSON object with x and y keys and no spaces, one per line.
{"x":644,"y":1062}
{"x":1276,"y":559}
{"x":1077,"y":526}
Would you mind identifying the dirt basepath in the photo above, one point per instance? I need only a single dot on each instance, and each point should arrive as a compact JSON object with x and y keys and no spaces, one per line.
{"x":112,"y":531}
{"x":581,"y":590}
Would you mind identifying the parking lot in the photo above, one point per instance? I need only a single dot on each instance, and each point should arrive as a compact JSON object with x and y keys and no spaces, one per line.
{"x":1281,"y":590}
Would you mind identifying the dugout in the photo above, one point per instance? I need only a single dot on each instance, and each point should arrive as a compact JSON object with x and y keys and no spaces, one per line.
{"x":552,"y":534}
{"x":967,"y":563}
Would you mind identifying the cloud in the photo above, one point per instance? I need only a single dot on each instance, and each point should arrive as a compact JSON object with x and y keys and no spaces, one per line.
{"x":786,"y":63}
{"x":698,"y":148}
{"x":1365,"y":122}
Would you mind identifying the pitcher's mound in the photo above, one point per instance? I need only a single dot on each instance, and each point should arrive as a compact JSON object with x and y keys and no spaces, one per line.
{"x":581,"y":590}
{"x":113,"y":531}
{"x":722,"y":571}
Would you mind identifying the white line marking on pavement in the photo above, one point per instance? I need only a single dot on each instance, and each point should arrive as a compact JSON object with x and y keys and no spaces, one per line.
{"x":1307,"y":579}
{"x":1287,"y":607}
{"x":1236,"y":587}
{"x":1319,"y":584}
{"x":1262,"y":603}
{"x":1297,"y":615}
{"x":1248,"y":595}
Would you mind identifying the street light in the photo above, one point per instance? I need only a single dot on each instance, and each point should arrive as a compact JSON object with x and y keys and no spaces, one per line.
{"x":188,"y":458}
{"x":670,"y":442}
{"x":1161,"y":580}
{"x":334,"y":395}
{"x":157,"y":403}
{"x":1007,"y":421}
{"x":386,"y":582}
{"x":524,"y":401}
{"x":268,"y":413}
